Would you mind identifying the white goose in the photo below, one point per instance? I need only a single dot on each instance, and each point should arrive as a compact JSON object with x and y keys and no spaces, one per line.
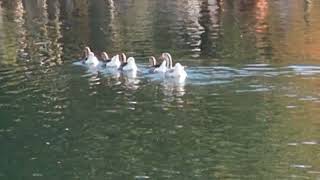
{"x":130,"y":65}
{"x":105,"y":57}
{"x":90,"y":58}
{"x":123,"y":60}
{"x":114,"y":63}
{"x":178,"y":72}
{"x":161,"y":68}
{"x":174,"y":72}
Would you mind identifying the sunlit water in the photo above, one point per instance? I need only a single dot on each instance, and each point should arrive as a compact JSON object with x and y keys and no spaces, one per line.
{"x":248,"y":110}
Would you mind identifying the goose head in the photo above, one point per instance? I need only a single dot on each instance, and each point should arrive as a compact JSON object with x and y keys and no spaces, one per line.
{"x":162,"y":68}
{"x":167,"y":57}
{"x":115,"y":58}
{"x":86,"y":52}
{"x":104,"y":56}
{"x":123,"y":58}
{"x":163,"y":64}
{"x":152,"y":61}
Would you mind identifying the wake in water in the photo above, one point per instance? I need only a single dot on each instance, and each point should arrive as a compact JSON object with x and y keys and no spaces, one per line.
{"x":215,"y":75}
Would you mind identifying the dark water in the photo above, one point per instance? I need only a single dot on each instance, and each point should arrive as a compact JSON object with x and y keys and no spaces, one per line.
{"x":248,"y":110}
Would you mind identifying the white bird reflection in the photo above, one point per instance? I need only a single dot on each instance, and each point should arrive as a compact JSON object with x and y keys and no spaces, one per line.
{"x":130,"y":74}
{"x":94,"y":80}
{"x":130,"y":80}
{"x":173,"y":93}
{"x":93,"y":70}
{"x":112,"y":72}
{"x":173,"y":87}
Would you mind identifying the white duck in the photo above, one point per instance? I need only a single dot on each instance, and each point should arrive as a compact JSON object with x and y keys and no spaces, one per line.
{"x":174,"y":72}
{"x":90,"y":58}
{"x":177,"y":72}
{"x":115,"y":62}
{"x":130,"y":65}
{"x":105,"y":57}
{"x":157,"y":67}
{"x":123,"y":60}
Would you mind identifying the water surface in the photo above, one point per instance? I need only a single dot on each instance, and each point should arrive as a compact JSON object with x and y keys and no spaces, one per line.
{"x":248,"y":109}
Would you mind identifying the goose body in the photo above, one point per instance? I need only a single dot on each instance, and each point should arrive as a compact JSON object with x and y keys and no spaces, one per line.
{"x":123,"y":60}
{"x":90,"y":58}
{"x":104,"y":59}
{"x":130,"y":65}
{"x":114,"y":62}
{"x":119,"y":62}
{"x":174,"y":72}
{"x":157,"y":67}
{"x":177,"y":72}
{"x":162,"y":68}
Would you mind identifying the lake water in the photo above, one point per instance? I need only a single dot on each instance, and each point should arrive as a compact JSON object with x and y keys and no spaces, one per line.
{"x":249,"y":108}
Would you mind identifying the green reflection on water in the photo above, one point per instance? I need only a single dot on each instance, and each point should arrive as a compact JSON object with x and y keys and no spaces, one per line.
{"x":58,"y":122}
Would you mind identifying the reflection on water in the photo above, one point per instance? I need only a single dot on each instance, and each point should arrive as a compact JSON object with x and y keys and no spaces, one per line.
{"x":173,"y":88}
{"x":248,"y":109}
